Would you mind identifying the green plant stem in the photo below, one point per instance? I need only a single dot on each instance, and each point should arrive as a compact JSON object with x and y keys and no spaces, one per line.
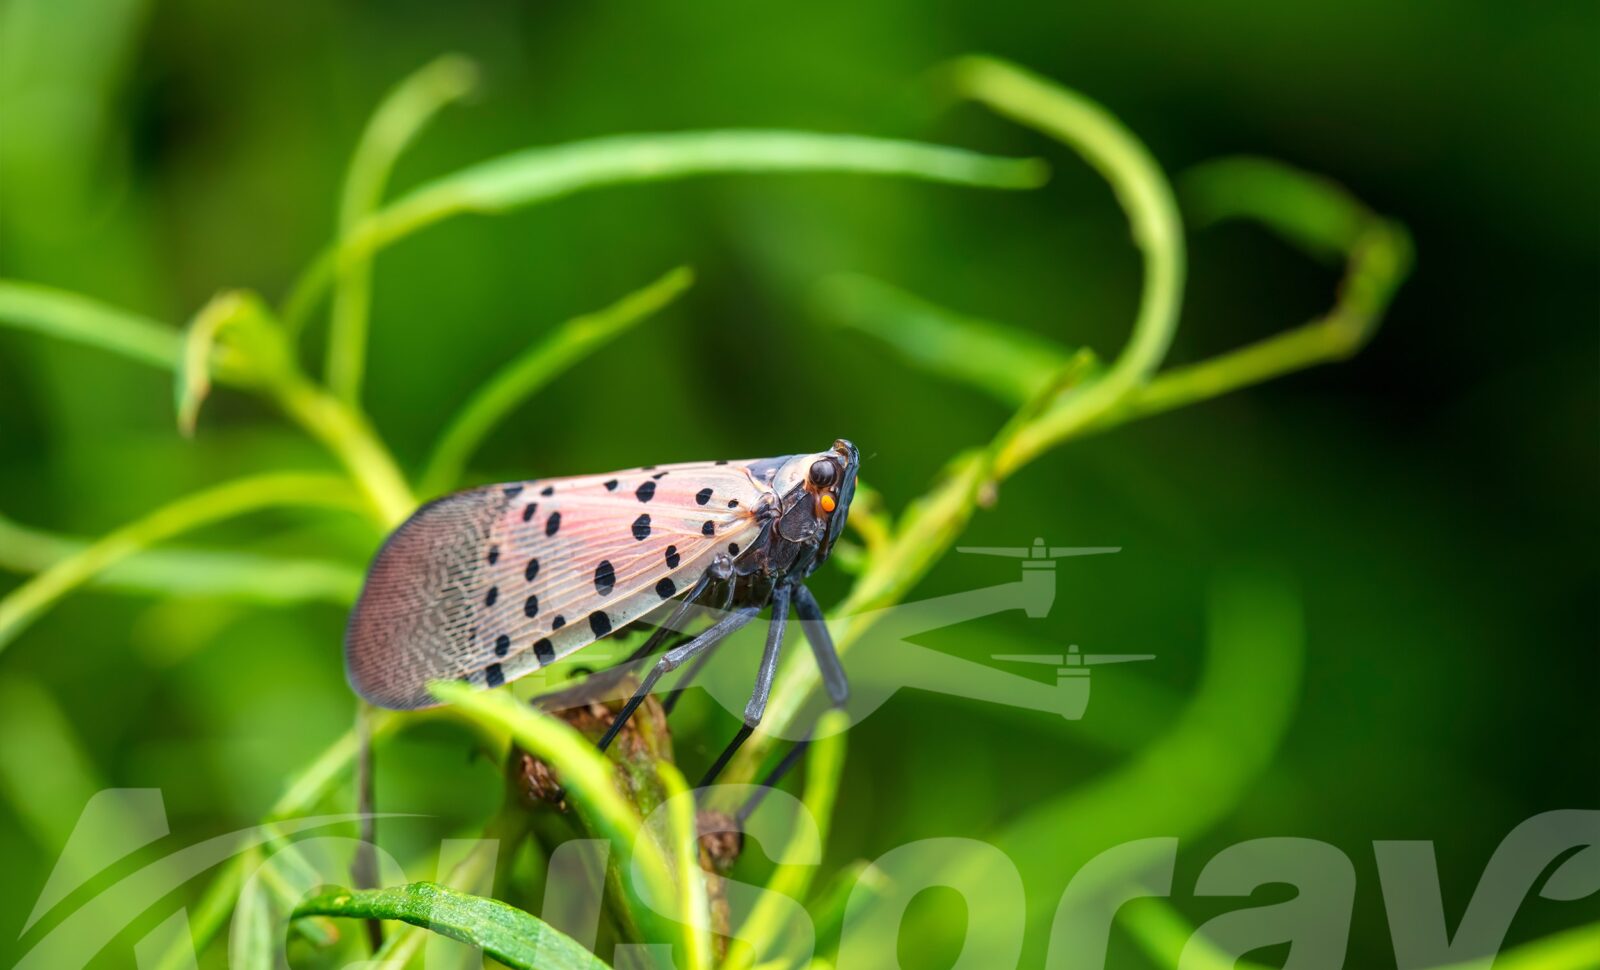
{"x":683,"y":843}
{"x":540,"y":174}
{"x":536,"y":367}
{"x":1152,"y":211}
{"x":792,"y":880}
{"x":32,"y":598}
{"x":350,"y":437}
{"x":397,"y":122}
{"x":58,"y":313}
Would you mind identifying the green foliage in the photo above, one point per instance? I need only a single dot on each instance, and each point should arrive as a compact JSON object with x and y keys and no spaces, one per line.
{"x":503,"y":932}
{"x":1056,"y":394}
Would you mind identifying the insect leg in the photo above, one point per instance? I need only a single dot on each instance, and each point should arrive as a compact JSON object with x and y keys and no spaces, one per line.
{"x":694,"y":668}
{"x":816,"y":631}
{"x":675,"y":658}
{"x":789,"y":760}
{"x":757,"y":705}
{"x":671,"y":624}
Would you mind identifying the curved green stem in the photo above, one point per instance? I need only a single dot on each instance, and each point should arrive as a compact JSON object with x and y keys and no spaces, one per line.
{"x":396,"y":123}
{"x":1152,"y":211}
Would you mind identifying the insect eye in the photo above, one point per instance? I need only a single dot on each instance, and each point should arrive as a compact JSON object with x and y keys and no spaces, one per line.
{"x":823,"y":473}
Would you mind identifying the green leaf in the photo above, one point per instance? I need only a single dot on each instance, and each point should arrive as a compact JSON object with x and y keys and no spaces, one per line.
{"x":1009,"y":364}
{"x":1313,"y":212}
{"x":535,"y":367}
{"x":504,"y":932}
{"x":252,"y":577}
{"x":233,"y":333}
{"x":397,"y":122}
{"x":69,"y":316}
{"x":25,"y":603}
{"x":540,"y":174}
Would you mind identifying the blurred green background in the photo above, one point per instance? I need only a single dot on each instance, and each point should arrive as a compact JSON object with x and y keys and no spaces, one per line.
{"x":1432,"y":499}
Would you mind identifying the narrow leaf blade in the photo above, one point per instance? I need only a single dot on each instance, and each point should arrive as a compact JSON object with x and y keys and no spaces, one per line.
{"x":1009,"y":364}
{"x":504,"y":932}
{"x":79,"y":319}
{"x":568,"y":344}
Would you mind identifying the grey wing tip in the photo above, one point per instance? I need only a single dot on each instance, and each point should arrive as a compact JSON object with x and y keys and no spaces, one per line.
{"x":406,"y":628}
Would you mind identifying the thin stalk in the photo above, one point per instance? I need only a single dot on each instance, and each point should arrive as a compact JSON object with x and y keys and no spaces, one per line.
{"x":350,"y":437}
{"x":397,"y":122}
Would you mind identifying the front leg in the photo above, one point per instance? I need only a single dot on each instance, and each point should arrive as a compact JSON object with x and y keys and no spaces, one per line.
{"x":757,"y":705}
{"x":816,"y":631}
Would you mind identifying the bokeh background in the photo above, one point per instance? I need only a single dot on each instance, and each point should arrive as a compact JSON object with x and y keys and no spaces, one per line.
{"x":1433,"y":499}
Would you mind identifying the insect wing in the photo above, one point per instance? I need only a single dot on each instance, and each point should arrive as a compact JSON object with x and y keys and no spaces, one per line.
{"x":493,"y":583}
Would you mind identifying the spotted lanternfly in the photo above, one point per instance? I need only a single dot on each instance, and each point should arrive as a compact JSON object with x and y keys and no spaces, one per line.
{"x":490,"y":584}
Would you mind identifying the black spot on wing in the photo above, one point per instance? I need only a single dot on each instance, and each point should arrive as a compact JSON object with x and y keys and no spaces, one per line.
{"x":494,"y":555}
{"x":493,"y":675}
{"x":530,"y":607}
{"x":547,"y":491}
{"x":641,"y":527}
{"x":531,"y":570}
{"x":544,"y":651}
{"x":709,"y":529}
{"x":611,"y":486}
{"x":512,"y":491}
{"x":528,"y":510}
{"x":559,"y":622}
{"x":552,"y":525}
{"x":605,"y":578}
{"x":733,"y":548}
{"x":599,"y":623}
{"x":672,"y":557}
{"x":666,"y":587}
{"x":702,"y":497}
{"x":646,"y":491}
{"x":502,"y":645}
{"x":491,"y":596}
